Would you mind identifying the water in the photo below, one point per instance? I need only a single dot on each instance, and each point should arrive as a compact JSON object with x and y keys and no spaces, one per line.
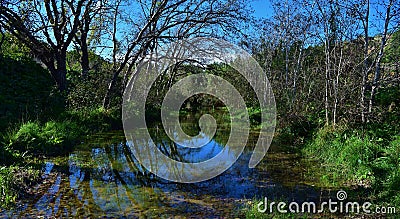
{"x":101,"y":178}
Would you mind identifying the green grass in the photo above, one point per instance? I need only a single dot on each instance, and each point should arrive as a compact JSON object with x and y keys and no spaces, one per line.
{"x":37,"y":138}
{"x":364,"y":159}
{"x":95,"y":120}
{"x":345,"y":155}
{"x":387,"y":169}
{"x":55,"y":136}
{"x":251,"y":212}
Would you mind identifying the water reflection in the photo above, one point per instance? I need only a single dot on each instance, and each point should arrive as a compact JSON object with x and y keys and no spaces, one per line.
{"x":103,"y":178}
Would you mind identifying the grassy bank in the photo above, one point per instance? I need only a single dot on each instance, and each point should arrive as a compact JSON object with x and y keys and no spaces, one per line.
{"x":360,"y":158}
{"x":364,"y":160}
{"x":25,"y":141}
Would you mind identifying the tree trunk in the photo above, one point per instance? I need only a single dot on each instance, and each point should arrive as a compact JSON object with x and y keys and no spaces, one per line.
{"x":62,"y":71}
{"x":58,"y":71}
{"x":377,"y":75}
{"x":366,"y":64}
{"x":61,"y":79}
{"x":296,"y":72}
{"x":85,"y":60}
{"x":111,"y":85}
{"x":85,"y":49}
{"x":327,"y":72}
{"x":327,"y":89}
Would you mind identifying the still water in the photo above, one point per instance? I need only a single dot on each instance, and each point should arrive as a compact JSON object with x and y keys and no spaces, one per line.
{"x":101,"y":178}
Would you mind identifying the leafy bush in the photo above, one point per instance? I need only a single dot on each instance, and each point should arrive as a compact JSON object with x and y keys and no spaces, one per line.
{"x":96,"y":120}
{"x":8,"y":193}
{"x":294,"y":130}
{"x":27,"y":91}
{"x":56,"y":135}
{"x":26,"y":138}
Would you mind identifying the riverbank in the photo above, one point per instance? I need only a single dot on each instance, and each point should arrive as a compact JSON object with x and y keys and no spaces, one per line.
{"x":363,"y":160}
{"x":26,"y":144}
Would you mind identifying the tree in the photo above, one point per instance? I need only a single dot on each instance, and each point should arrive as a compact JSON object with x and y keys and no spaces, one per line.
{"x":361,"y":11}
{"x":392,"y":11}
{"x":47,"y":28}
{"x":324,"y":59}
{"x":159,"y":22}
{"x":279,"y":47}
{"x":124,"y":30}
{"x":89,"y":32}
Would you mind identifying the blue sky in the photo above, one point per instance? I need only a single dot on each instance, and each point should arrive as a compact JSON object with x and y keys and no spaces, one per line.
{"x":262,"y":8}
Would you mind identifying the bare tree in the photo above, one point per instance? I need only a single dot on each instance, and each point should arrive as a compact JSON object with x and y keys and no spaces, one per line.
{"x":90,"y":28}
{"x":126,"y":29}
{"x":390,"y":14}
{"x":157,"y":22}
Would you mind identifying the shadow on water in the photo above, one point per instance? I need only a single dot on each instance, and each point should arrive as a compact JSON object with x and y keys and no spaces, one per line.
{"x":102,"y":178}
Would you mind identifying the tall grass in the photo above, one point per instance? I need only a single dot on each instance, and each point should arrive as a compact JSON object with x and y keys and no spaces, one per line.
{"x":345,"y":154}
{"x":54,"y":136}
{"x":354,"y":157}
{"x":47,"y":138}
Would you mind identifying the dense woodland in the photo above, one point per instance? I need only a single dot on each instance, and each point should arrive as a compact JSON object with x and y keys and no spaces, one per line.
{"x":334,"y":66}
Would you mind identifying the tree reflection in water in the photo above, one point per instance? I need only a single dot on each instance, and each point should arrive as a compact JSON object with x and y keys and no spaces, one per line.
{"x":103,"y":178}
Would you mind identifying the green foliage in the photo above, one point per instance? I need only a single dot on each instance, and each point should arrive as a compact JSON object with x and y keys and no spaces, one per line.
{"x":163,"y":82}
{"x":388,"y":105}
{"x":254,"y":115}
{"x":387,"y":168}
{"x":295,"y":130}
{"x":54,"y":136}
{"x":368,"y":158}
{"x":346,"y":155}
{"x":392,"y":50}
{"x":26,"y":137}
{"x":88,"y":93}
{"x":49,"y":138}
{"x":96,"y":120}
{"x":14,"y":49}
{"x":8,"y":193}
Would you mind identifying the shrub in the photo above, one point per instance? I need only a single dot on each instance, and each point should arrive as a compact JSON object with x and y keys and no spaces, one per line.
{"x":27,"y":91}
{"x":8,"y":193}
{"x":26,"y":138}
{"x":48,"y":138}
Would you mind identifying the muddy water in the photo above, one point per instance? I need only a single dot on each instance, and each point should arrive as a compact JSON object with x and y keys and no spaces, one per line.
{"x":102,"y":178}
